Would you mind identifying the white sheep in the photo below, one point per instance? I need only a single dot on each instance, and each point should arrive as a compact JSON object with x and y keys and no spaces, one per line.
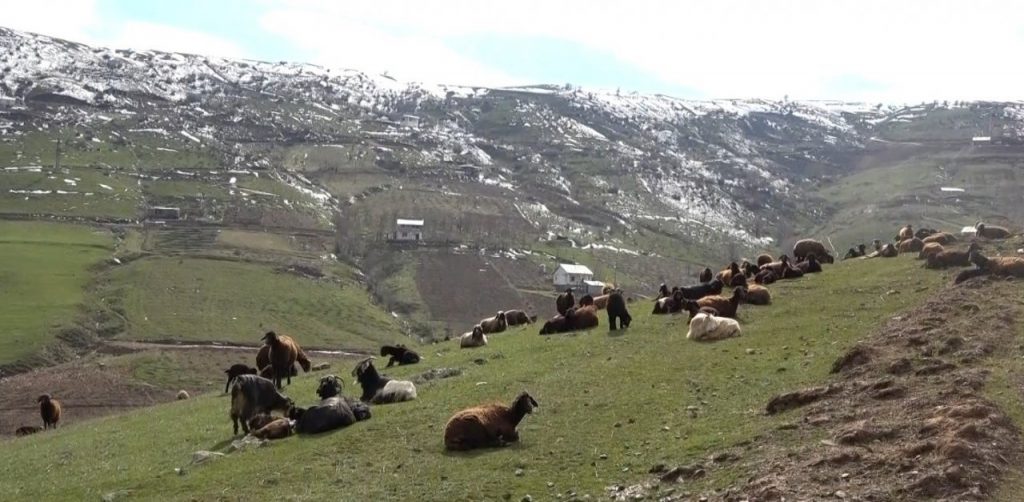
{"x":476,"y":338}
{"x":706,"y":328}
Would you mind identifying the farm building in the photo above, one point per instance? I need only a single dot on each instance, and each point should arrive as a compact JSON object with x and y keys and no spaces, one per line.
{"x":408,"y":230}
{"x":410,"y":121}
{"x":571,"y":275}
{"x":164,"y":213}
{"x":981,"y":140}
{"x":594,"y":288}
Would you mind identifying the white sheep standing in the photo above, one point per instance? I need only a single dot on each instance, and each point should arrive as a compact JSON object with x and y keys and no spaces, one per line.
{"x":706,"y":328}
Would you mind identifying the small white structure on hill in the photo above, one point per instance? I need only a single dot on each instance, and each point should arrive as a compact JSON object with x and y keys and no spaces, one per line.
{"x":410,"y":121}
{"x":594,"y":288}
{"x":981,"y":140}
{"x":408,"y":230}
{"x":571,"y":275}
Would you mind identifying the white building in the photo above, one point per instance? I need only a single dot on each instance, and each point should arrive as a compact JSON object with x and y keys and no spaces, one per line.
{"x":410,"y":121}
{"x":594,"y":288}
{"x":571,"y":275}
{"x":982,"y":140}
{"x":408,"y":230}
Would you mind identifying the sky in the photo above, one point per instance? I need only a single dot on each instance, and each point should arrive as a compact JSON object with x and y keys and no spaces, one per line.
{"x":904,"y":51}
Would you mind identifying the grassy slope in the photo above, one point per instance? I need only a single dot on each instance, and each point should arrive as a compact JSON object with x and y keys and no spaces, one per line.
{"x":643,"y":381}
{"x":200,"y":300}
{"x":43,"y":273}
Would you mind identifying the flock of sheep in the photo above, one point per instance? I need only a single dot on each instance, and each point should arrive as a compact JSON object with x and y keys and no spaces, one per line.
{"x":256,"y":391}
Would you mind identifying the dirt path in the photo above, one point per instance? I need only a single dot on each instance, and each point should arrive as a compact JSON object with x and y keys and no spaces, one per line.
{"x":904,"y":418}
{"x":135,"y":346}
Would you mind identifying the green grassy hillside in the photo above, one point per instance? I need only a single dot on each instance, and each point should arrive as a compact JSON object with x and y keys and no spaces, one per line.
{"x":44,"y":270}
{"x":611,"y":406}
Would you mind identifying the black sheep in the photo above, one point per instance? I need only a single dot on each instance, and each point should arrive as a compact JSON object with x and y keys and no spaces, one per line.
{"x":400,"y":355}
{"x":332,"y":413}
{"x":234,"y":371}
{"x":712,"y":287}
{"x":617,"y":310}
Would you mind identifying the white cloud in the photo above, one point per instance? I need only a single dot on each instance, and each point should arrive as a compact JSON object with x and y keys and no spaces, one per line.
{"x":69,"y":19}
{"x":144,"y":35}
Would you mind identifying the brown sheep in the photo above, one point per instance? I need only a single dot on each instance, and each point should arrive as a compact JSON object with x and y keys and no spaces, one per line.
{"x":600,"y":302}
{"x":263,"y":363}
{"x":26,"y":430}
{"x":990,"y":232}
{"x":765,"y":277}
{"x":944,"y":238}
{"x":810,"y":265}
{"x":278,"y":429}
{"x":585,"y":318}
{"x":804,"y":247}
{"x":517,"y":317}
{"x":905,"y":233}
{"x":565,"y":301}
{"x":284,"y":352}
{"x":726,"y":307}
{"x":260,"y":420}
{"x":693,"y":308}
{"x":495,"y":324}
{"x":776,"y":266}
{"x":929,"y":249}
{"x":727,"y":274}
{"x":886,"y":251}
{"x":764,"y":259}
{"x":951,"y":258}
{"x":999,"y":265}
{"x":789,"y":272}
{"x":487,"y":426}
{"x":758,"y":295}
{"x":705,"y":275}
{"x":50,"y":410}
{"x":912,"y":245}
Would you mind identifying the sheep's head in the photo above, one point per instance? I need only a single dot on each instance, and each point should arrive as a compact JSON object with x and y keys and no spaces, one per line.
{"x":525,"y":403}
{"x":716,"y":286}
{"x":330,"y":386}
{"x":269,"y":337}
{"x":45,"y":398}
{"x":478,"y":332}
{"x":734,"y":268}
{"x":362,"y":367}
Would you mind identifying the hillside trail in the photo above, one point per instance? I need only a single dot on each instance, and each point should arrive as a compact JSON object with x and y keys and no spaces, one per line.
{"x":904,"y":416}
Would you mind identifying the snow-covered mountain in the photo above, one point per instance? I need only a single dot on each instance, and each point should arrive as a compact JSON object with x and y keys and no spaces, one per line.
{"x":570,"y":160}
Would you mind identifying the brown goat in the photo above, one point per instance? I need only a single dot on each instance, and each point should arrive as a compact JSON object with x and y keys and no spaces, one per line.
{"x":758,"y":295}
{"x":495,"y":324}
{"x":487,"y":426}
{"x":951,"y":258}
{"x":905,"y":233}
{"x":991,"y":232}
{"x":944,"y":238}
{"x":260,"y":420}
{"x":263,"y":363}
{"x":50,"y":410}
{"x":278,"y":429}
{"x":929,"y":249}
{"x":726,"y":307}
{"x":565,"y":301}
{"x":999,"y":265}
{"x":283,"y":353}
{"x":912,"y":245}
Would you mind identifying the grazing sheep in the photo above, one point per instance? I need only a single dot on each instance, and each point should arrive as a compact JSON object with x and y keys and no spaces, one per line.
{"x":758,"y":295}
{"x":487,"y":426}
{"x":27,"y":430}
{"x":804,"y":247}
{"x":495,"y":324}
{"x":283,"y":353}
{"x":726,"y":307}
{"x":252,"y":394}
{"x":951,"y":258}
{"x":727,"y":274}
{"x":857,"y":252}
{"x":236,"y":370}
{"x":905,"y":233}
{"x":278,"y":429}
{"x":617,"y":310}
{"x":764,"y":259}
{"x":475,"y":338}
{"x":565,"y":301}
{"x":332,"y":413}
{"x":399,"y":354}
{"x":929,"y":249}
{"x":925,"y":232}
{"x":50,"y":410}
{"x":707,"y":328}
{"x":1003,"y":266}
{"x":810,"y":265}
{"x":912,"y":245}
{"x":260,"y":420}
{"x":182,"y":395}
{"x":517,"y":317}
{"x":990,"y":232}
{"x":944,"y":238}
{"x":765,"y":277}
{"x":379,"y":389}
{"x":329,"y":386}
{"x":705,"y":275}
{"x":699,"y":291}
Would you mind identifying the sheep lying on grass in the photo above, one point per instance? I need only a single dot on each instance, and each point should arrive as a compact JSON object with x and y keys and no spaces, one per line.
{"x":379,"y":389}
{"x":706,"y":328}
{"x":991,"y":231}
{"x":331,"y":413}
{"x":475,"y":338}
{"x":27,"y":430}
{"x":1002,"y":266}
{"x":758,"y":295}
{"x":488,"y":425}
{"x":278,"y":429}
{"x":495,"y":324}
{"x":726,"y":307}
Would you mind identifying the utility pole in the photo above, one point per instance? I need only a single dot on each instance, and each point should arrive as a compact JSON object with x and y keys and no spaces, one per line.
{"x":56,"y":157}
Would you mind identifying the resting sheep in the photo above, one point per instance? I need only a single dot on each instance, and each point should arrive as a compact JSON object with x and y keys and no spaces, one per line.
{"x":664,"y":292}
{"x":517,"y":317}
{"x":399,"y":354}
{"x":331,"y":413}
{"x":758,"y":295}
{"x":921,"y":233}
{"x":929,"y":249}
{"x":558,"y":324}
{"x":182,"y":395}
{"x":705,"y":275}
{"x":804,"y":247}
{"x":810,"y":265}
{"x":252,"y":394}
{"x":726,"y":307}
{"x":487,"y":426}
{"x":495,"y":324}
{"x":699,"y":291}
{"x":26,"y":430}
{"x":329,"y":386}
{"x":669,"y":304}
{"x":236,"y":370}
{"x":727,"y":274}
{"x":990,"y":232}
{"x":379,"y":389}
{"x":951,"y":258}
{"x":857,"y":252}
{"x":764,"y":259}
{"x":617,"y":310}
{"x":584,"y":318}
{"x":777,"y":266}
{"x":912,"y":245}
{"x":278,"y":429}
{"x":944,"y":238}
{"x":1003,"y":266}
{"x":765,"y":277}
{"x":565,"y":301}
{"x":475,"y":338}
{"x":707,"y":328}
{"x":905,"y":233}
{"x":50,"y":410}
